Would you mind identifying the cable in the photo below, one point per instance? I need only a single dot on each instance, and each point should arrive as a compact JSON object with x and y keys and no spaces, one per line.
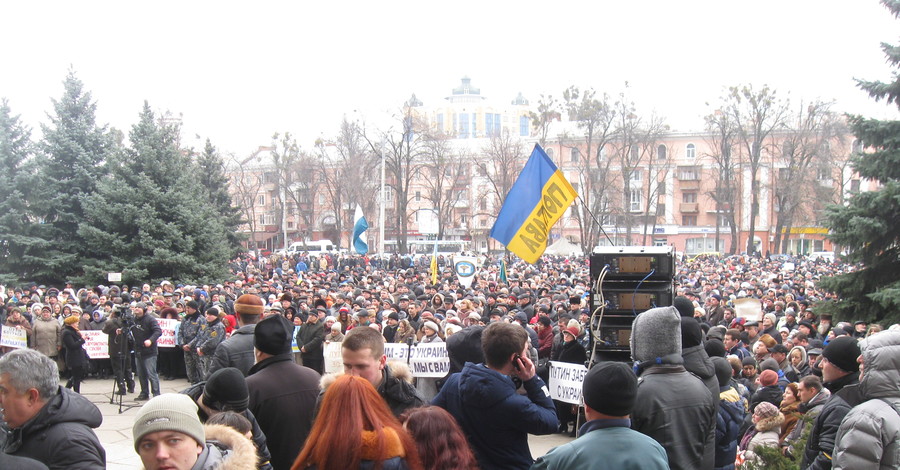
{"x":601,"y":306}
{"x":634,"y":294}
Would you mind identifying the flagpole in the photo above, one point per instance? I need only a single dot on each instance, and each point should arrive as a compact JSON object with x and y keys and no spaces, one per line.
{"x":599,"y":225}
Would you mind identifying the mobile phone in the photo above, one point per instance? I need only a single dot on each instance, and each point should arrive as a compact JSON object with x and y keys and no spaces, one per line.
{"x":516,"y":360}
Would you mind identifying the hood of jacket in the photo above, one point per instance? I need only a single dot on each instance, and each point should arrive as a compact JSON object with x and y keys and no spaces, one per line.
{"x":65,"y":407}
{"x":768,"y":424}
{"x":881,"y":361}
{"x":234,"y":451}
{"x":696,"y":360}
{"x":817,"y":400}
{"x":732,"y":405}
{"x":481,"y":387}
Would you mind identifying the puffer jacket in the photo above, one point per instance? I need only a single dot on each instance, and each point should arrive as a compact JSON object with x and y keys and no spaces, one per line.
{"x":46,"y":336}
{"x":675,"y":408}
{"x":728,"y":424}
{"x":869,"y":436}
{"x":60,"y":434}
{"x":495,"y":418}
{"x":820,"y":446}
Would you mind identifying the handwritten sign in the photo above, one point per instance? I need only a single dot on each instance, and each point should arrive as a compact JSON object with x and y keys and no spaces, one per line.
{"x":334,"y":363}
{"x":96,"y":344}
{"x":425,"y":360}
{"x":566,"y":381}
{"x":14,"y":337}
{"x":294,"y":347}
{"x":167,"y":325}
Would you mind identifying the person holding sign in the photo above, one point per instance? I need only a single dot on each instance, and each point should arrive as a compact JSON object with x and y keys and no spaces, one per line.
{"x":607,"y":440}
{"x":20,"y":323}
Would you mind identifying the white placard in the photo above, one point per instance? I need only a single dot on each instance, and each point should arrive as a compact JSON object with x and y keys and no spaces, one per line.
{"x":96,"y":344}
{"x":334,"y":362}
{"x":114,"y":277}
{"x":167,"y":339}
{"x":425,"y":360}
{"x":566,"y":381}
{"x":14,"y":337}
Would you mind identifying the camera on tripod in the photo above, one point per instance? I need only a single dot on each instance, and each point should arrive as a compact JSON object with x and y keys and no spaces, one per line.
{"x":123,"y":311}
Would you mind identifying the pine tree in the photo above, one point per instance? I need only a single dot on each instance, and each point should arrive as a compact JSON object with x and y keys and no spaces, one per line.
{"x":870,"y":224}
{"x":75,"y":150}
{"x":150,"y":219}
{"x":211,"y":172}
{"x":18,"y":242}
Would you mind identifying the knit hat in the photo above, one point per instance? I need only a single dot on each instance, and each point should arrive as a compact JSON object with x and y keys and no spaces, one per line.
{"x":684,"y":305}
{"x":748,"y":361}
{"x":656,"y":333}
{"x":771,"y":317}
{"x":192,"y":304}
{"x":168,"y":412}
{"x":691,"y":333}
{"x":226,"y":390}
{"x":768,"y":377}
{"x":71,"y":320}
{"x":248,"y":304}
{"x":715,"y":348}
{"x":769,"y":364}
{"x":273,"y":335}
{"x":432,"y":326}
{"x":610,"y":388}
{"x":765,"y":410}
{"x":572,"y":330}
{"x":723,"y":370}
{"x":843,"y":352}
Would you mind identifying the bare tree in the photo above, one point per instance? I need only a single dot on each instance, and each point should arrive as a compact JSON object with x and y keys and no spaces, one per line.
{"x":447,"y":177}
{"x":722,"y":136}
{"x":630,"y":156}
{"x":498,"y":165}
{"x":658,"y":167}
{"x":547,"y":112}
{"x":756,"y":114}
{"x":246,"y":183}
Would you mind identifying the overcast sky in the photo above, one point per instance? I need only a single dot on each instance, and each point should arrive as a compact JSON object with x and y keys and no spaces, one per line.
{"x":240,"y":71}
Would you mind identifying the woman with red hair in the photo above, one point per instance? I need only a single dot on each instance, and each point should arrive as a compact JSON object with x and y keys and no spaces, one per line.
{"x":356,"y":429}
{"x":442,"y":444}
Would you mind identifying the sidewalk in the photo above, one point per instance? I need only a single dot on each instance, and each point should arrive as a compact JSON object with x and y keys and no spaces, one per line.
{"x":115,"y":432}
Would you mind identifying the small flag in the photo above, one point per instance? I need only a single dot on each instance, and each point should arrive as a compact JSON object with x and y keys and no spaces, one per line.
{"x":503,"y":278}
{"x":538,"y":198}
{"x":359,"y":229}
{"x":434,"y":266}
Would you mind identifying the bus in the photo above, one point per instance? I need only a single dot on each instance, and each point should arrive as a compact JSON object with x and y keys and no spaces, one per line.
{"x":418,"y":248}
{"x":314,"y":248}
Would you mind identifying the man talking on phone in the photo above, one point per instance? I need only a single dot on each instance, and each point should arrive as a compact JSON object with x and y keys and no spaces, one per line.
{"x":483,"y":399}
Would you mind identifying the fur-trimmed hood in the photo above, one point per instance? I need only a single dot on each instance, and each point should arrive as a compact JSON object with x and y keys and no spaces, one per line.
{"x":227,"y":449}
{"x":769,"y":424}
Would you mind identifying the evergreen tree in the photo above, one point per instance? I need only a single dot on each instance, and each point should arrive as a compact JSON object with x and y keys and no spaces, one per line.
{"x":75,"y":150}
{"x":149,"y":218}
{"x":214,"y":184}
{"x":869,"y":226}
{"x":18,"y":242}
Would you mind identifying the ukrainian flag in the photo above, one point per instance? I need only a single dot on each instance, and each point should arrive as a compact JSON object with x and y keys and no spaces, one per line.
{"x":538,"y":198}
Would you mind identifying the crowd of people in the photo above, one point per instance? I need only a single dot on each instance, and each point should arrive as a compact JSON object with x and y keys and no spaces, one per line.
{"x":709,"y":388}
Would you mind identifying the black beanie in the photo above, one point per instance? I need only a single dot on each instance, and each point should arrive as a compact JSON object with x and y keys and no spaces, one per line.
{"x":723,"y":370}
{"x":610,"y":388}
{"x":684,"y":305}
{"x":192,"y":304}
{"x":691,"y":334}
{"x":273,"y":335}
{"x":714,"y":348}
{"x":843,"y":352}
{"x":226,"y":390}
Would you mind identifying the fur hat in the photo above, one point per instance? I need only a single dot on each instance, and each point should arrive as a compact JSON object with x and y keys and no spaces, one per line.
{"x":71,"y":320}
{"x":768,"y":340}
{"x":656,"y":333}
{"x":168,"y":412}
{"x":610,"y":388}
{"x":248,"y":304}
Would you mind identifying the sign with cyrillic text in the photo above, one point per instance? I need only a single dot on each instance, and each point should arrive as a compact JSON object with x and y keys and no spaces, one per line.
{"x":425,"y":360}
{"x":96,"y":344}
{"x":566,"y":381}
{"x":167,"y":325}
{"x":14,"y":337}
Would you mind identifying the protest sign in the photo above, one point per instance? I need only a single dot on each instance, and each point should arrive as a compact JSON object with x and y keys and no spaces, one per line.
{"x":334,"y":363}
{"x":167,"y":325}
{"x":14,"y":337}
{"x":96,"y":344}
{"x":566,"y":381}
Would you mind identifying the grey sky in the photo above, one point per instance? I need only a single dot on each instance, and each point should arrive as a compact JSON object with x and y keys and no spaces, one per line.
{"x":240,"y":71}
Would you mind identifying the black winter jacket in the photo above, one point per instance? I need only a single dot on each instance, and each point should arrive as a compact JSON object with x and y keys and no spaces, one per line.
{"x":845,"y":395}
{"x":236,"y":351}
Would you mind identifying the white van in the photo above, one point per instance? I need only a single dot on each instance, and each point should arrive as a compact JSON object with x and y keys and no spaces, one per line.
{"x":314,"y":248}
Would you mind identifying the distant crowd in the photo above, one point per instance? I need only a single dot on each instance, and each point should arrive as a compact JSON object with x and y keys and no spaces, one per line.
{"x":252,"y":348}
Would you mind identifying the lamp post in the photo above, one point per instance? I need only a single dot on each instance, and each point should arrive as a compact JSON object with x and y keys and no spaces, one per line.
{"x":381,"y":199}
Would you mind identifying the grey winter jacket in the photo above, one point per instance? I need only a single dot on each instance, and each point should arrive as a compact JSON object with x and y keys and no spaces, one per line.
{"x":236,"y":351}
{"x":869,"y":436}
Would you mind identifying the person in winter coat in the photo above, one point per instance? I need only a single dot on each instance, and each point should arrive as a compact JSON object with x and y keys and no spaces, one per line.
{"x":483,"y":399}
{"x":800,"y":361}
{"x":673,"y":406}
{"x":76,"y":357}
{"x":310,"y":340}
{"x":812,"y":399}
{"x":840,"y":375}
{"x":51,"y":424}
{"x":237,"y":351}
{"x":767,"y":421}
{"x":335,"y":335}
{"x":146,"y":333}
{"x":790,"y":408}
{"x":210,"y":337}
{"x":869,"y":436}
{"x":356,"y":430}
{"x":168,"y":434}
{"x":404,"y":331}
{"x":571,"y":352}
{"x":226,"y":390}
{"x":768,"y":390}
{"x":47,"y":334}
{"x":729,"y":417}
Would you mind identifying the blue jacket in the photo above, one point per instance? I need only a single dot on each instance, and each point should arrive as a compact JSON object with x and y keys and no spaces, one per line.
{"x":607,"y":443}
{"x":728,"y":425}
{"x":495,"y":418}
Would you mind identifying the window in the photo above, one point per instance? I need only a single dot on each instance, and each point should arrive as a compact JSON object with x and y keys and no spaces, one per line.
{"x":688,"y":173}
{"x":660,"y":210}
{"x":388,"y":195}
{"x":574,"y":155}
{"x":496,"y":124}
{"x":463,"y":126}
{"x":523,"y":126}
{"x":483,"y":204}
{"x":440,"y":122}
{"x":723,"y":221}
{"x":550,"y":153}
{"x":823,"y":174}
{"x":635,"y":153}
{"x":689,"y":220}
{"x":854,"y":186}
{"x":491,"y":124}
{"x":261,"y":200}
{"x":635,"y":177}
{"x":688,"y":197}
{"x":321,"y":199}
{"x":418,"y":196}
{"x":857,"y":146}
{"x":602,"y":153}
{"x":661,"y":188}
{"x":635,"y":200}
{"x":463,"y":218}
{"x":691,"y":151}
{"x":483,"y":222}
{"x":661,"y":152}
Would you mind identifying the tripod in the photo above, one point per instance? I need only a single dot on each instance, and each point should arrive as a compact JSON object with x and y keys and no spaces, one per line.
{"x":121,"y":375}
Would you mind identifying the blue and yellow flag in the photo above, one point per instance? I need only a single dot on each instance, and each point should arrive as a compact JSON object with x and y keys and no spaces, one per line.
{"x":434,"y":265}
{"x":538,"y":198}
